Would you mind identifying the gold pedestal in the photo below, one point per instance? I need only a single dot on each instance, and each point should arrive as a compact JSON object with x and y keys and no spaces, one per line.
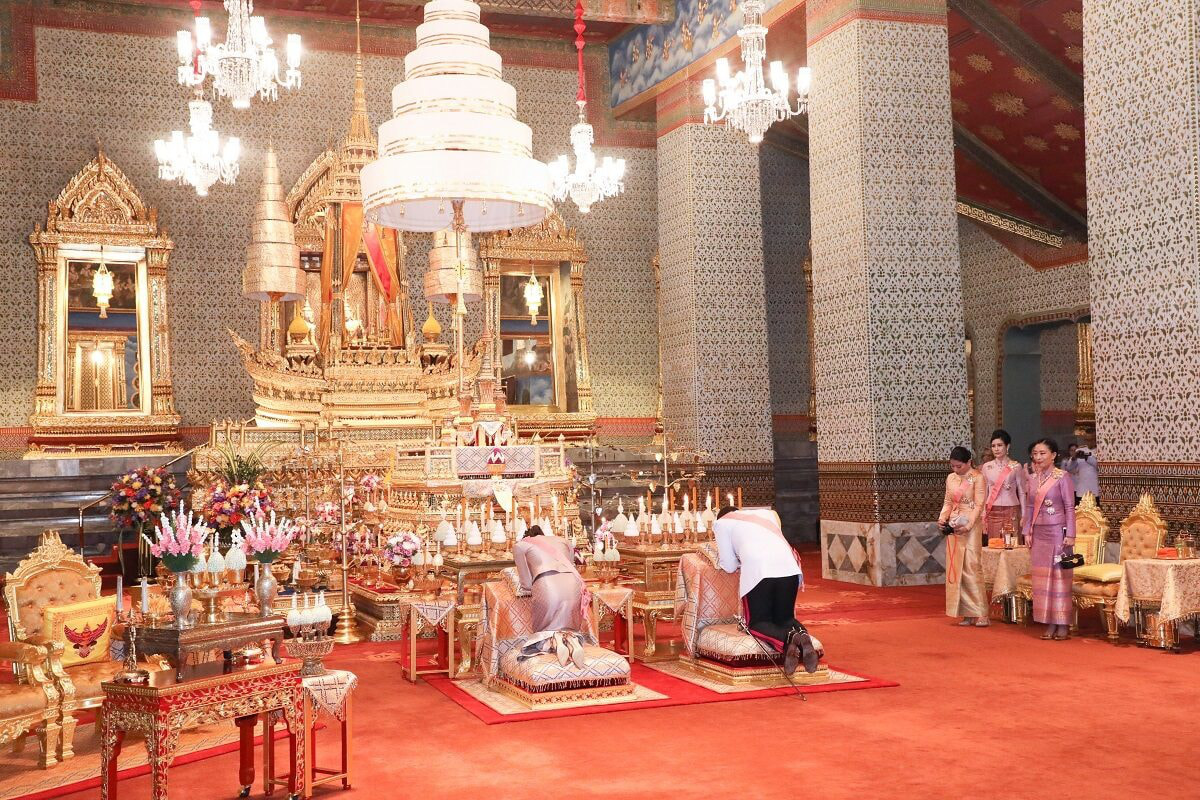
{"x":347,"y":629}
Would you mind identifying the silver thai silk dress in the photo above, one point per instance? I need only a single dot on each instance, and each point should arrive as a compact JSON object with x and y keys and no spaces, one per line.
{"x":546,"y":570}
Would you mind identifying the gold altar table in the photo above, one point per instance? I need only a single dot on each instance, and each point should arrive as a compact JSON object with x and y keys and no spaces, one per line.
{"x":468,"y":616}
{"x":237,"y":630}
{"x":463,"y":570}
{"x":1157,"y":593}
{"x":652,"y":569}
{"x":1001,"y":568}
{"x":382,"y":609}
{"x":165,"y":705}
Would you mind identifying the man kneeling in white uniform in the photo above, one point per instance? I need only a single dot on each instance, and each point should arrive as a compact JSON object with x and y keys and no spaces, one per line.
{"x":752,"y":540}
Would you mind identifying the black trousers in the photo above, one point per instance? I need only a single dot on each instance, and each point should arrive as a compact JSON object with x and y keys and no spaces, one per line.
{"x":770,"y":609}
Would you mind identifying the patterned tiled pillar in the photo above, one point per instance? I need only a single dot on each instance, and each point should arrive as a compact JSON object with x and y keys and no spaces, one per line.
{"x":890,"y":361}
{"x":716,"y":392}
{"x":1141,"y":86}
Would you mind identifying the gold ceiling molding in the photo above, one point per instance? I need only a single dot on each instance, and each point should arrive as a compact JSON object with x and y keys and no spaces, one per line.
{"x":1008,"y":223}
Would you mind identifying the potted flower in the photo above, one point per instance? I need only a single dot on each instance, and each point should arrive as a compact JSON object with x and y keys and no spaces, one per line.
{"x":138,"y":499}
{"x":226,"y":505}
{"x":399,"y":552}
{"x":179,"y":543}
{"x":265,"y":538}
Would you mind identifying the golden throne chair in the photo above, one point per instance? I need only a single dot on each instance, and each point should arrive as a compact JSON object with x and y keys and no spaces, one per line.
{"x":708,"y":606}
{"x":541,"y":682}
{"x":1091,"y":533}
{"x":53,"y":601}
{"x":1142,"y":534}
{"x":31,"y":705}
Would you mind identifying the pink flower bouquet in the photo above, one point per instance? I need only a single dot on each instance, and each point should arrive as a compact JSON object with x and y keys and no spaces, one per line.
{"x":401,"y":548}
{"x":179,"y":541}
{"x":266,"y":538}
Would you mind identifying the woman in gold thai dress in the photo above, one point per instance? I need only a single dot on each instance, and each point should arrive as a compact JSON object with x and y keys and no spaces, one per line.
{"x":547,"y":571}
{"x":962,"y":522}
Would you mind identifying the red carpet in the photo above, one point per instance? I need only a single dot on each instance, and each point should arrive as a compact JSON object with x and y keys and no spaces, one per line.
{"x":980,"y":712}
{"x":678,"y":693}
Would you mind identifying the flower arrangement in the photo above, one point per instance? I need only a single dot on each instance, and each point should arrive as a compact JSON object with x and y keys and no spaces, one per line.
{"x":179,"y":541}
{"x":266,"y":538}
{"x":226,"y":506}
{"x":370,"y":481}
{"x":328,"y":513}
{"x":401,"y":548}
{"x":142,"y":495}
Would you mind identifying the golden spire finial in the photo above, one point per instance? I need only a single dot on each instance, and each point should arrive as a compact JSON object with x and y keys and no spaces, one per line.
{"x":358,"y":147}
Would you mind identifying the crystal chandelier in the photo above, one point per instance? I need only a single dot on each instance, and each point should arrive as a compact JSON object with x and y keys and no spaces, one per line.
{"x":198,"y":159}
{"x":589,"y":183}
{"x":743,"y":100}
{"x":243,"y":65}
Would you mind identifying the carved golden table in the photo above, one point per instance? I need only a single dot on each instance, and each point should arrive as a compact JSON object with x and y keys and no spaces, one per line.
{"x":653,"y":569}
{"x":469,"y":615}
{"x":238,"y":630}
{"x":208,"y":693}
{"x":381,"y":609}
{"x":463,"y":570}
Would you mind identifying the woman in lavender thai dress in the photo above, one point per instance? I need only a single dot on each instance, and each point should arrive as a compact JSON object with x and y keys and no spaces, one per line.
{"x":547,"y":571}
{"x":1049,"y":523}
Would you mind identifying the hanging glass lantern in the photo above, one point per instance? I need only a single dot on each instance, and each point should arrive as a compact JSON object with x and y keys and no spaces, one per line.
{"x":102,"y":286}
{"x":533,"y":297}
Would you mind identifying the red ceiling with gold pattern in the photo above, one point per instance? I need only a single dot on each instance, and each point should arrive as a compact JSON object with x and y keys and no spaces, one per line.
{"x":1014,"y":112}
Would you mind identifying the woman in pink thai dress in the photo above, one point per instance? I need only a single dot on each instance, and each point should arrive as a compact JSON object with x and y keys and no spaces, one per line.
{"x":547,"y":571}
{"x":1049,"y":518}
{"x":961,"y":520}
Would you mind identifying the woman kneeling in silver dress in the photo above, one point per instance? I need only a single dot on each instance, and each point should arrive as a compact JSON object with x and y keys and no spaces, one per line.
{"x":546,"y":569}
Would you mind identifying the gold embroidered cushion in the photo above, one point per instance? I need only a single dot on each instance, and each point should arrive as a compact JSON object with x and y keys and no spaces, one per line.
{"x":84,"y":629}
{"x":1104,"y":573}
{"x":728,"y":643}
{"x":543,"y":673}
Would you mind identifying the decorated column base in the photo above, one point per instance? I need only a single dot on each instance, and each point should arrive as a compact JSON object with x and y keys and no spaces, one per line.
{"x":883,"y":554}
{"x":878,"y":522}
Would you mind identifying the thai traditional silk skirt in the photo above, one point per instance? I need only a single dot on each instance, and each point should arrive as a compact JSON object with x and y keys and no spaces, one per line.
{"x":998,"y":517}
{"x":556,"y":602}
{"x":1051,"y":583}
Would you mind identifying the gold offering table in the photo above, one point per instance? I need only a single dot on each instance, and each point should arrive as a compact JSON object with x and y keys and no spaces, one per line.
{"x":1001,"y":569}
{"x":1157,"y":593}
{"x":464,"y":570}
{"x":651,"y":569}
{"x":237,"y":630}
{"x":164,"y":706}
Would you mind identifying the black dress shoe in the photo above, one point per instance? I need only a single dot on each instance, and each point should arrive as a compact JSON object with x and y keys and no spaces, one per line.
{"x":808,"y":653}
{"x":791,"y":654}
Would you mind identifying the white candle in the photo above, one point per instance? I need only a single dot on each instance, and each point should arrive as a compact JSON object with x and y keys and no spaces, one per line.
{"x":145,"y":596}
{"x":120,"y":593}
{"x":295,"y":570}
{"x":729,"y":498}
